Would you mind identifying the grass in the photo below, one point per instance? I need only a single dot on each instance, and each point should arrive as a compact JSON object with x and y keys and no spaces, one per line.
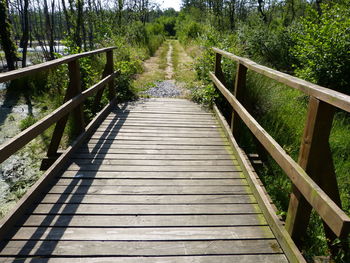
{"x":153,"y":70}
{"x":163,"y":55}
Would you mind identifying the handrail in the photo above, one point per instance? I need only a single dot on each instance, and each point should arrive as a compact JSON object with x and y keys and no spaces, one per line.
{"x":73,"y":99}
{"x":326,"y":208}
{"x":313,"y":177}
{"x":72,"y":104}
{"x":332,"y":97}
{"x":18,"y":73}
{"x":20,"y":140}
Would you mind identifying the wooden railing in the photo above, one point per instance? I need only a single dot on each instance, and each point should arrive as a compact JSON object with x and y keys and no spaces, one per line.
{"x":313,"y":176}
{"x":72,"y":104}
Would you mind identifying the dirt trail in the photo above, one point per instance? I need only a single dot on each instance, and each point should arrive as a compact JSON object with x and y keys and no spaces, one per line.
{"x":162,"y":74}
{"x":170,"y":68}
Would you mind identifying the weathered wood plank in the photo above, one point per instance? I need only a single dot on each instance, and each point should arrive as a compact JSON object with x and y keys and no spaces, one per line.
{"x":150,"y":182}
{"x":131,"y":156}
{"x":76,"y":189}
{"x":144,"y":221}
{"x":147,"y":199}
{"x":168,"y":140}
{"x":163,"y":111}
{"x":165,"y":142}
{"x":164,"y":168}
{"x":188,"y":233}
{"x":154,"y":163}
{"x":126,"y":146}
{"x":139,"y":248}
{"x":150,"y":174}
{"x":262,"y":258}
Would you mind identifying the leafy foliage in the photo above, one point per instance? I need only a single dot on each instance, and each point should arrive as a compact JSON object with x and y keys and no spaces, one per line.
{"x":322,"y":47}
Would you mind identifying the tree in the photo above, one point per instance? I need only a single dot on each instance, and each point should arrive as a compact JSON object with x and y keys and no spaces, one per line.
{"x":7,"y":42}
{"x":25,"y":34}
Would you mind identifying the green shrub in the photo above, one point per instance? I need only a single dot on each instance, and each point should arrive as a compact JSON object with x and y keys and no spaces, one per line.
{"x":27,"y":122}
{"x":322,"y":47}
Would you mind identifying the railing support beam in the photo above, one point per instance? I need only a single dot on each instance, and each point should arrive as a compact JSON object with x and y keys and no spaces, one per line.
{"x":239,"y":89}
{"x":73,"y":89}
{"x":315,"y":158}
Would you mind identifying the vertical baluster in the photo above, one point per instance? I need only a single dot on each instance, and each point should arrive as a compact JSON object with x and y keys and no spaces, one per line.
{"x":111,"y":90}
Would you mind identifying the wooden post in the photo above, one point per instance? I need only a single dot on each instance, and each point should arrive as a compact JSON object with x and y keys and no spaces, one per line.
{"x":111,"y":90}
{"x":316,"y":159}
{"x":73,"y":89}
{"x":110,"y":70}
{"x":240,"y":83}
{"x":218,"y":70}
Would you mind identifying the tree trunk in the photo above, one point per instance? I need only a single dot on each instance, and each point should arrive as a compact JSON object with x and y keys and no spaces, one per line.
{"x":7,"y":42}
{"x":25,"y":34}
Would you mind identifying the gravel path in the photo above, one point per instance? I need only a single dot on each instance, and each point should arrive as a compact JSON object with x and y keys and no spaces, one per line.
{"x":166,"y":88}
{"x":162,"y":89}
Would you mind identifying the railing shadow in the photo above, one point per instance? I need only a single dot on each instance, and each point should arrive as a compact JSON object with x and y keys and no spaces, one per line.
{"x":63,"y":210}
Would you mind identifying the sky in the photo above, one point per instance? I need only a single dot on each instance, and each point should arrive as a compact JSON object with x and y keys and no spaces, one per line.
{"x":169,"y":3}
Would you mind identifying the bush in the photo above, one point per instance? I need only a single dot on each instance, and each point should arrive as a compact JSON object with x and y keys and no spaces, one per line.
{"x":27,"y":122}
{"x":322,"y":47}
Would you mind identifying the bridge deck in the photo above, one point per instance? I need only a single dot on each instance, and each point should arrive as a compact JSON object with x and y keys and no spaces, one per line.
{"x":157,"y":180}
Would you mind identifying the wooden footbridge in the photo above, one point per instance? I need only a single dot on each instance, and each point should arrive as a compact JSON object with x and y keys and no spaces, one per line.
{"x":162,"y":180}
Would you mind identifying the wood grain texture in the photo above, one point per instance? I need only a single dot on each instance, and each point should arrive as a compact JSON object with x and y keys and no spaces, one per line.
{"x":260,"y":258}
{"x":141,"y":190}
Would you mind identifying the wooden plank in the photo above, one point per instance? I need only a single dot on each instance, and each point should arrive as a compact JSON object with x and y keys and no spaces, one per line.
{"x":150,"y":182}
{"x":157,"y":190}
{"x":150,"y":174}
{"x":124,"y":132}
{"x":185,"y":150}
{"x":154,"y":163}
{"x":20,"y":140}
{"x":168,"y":125}
{"x":332,"y":97}
{"x":140,"y":248}
{"x":188,"y":233}
{"x":124,"y":168}
{"x":159,"y":121}
{"x":146,"y":209}
{"x":195,"y":113}
{"x":147,"y":199}
{"x":138,"y":156}
{"x":183,"y":140}
{"x":34,"y":192}
{"x":262,"y":258}
{"x":335,"y":218}
{"x":144,"y":221}
{"x":116,"y":143}
{"x":290,"y":249}
{"x":140,"y":116}
{"x":135,"y":115}
{"x":19,"y":73}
